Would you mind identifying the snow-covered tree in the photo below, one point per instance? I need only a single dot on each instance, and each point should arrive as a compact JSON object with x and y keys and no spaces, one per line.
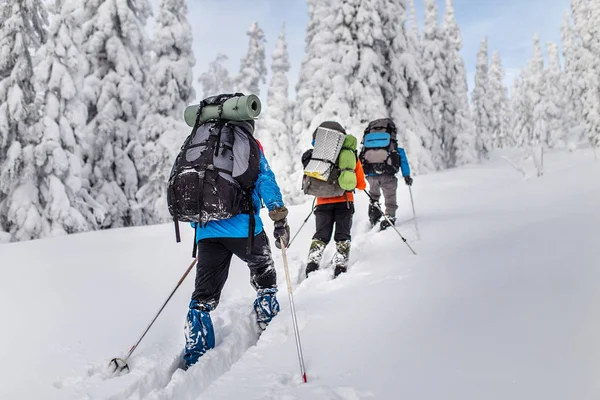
{"x":413,"y":28}
{"x":458,"y":130}
{"x":169,"y":91}
{"x":537,"y":92}
{"x":406,"y":94}
{"x":573,"y":83}
{"x":480,"y":99}
{"x":553,"y":100}
{"x":216,"y":80}
{"x":499,"y":117}
{"x":275,"y":135}
{"x":319,"y":75}
{"x":60,"y":152}
{"x":434,"y":70}
{"x":522,"y":107}
{"x":22,"y":29}
{"x":361,"y":44}
{"x":586,"y":15}
{"x":253,"y":71}
{"x":115,"y":43}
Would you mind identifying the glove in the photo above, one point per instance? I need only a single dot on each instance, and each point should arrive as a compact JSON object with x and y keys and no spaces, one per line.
{"x":277,"y":214}
{"x":408,"y":180}
{"x":281,"y":231}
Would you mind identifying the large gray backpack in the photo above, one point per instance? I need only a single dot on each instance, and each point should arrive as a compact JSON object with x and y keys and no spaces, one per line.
{"x":214,"y":174}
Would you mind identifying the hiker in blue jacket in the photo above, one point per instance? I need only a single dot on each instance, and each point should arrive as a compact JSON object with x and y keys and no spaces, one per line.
{"x":382,"y":159}
{"x":217,"y":242}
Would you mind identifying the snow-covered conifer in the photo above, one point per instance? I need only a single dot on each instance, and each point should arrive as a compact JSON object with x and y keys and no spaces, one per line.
{"x":60,"y":152}
{"x":434,"y":70}
{"x":586,"y":15}
{"x":22,"y":29}
{"x":573,"y":83}
{"x":318,"y":74}
{"x":216,"y":80}
{"x":275,"y":135}
{"x":522,"y":107}
{"x":359,"y":43}
{"x":406,"y":94}
{"x":170,"y":90}
{"x":458,"y":130}
{"x":413,"y":26}
{"x":115,"y":44}
{"x":252,"y":69}
{"x":499,"y":117}
{"x":537,"y":87}
{"x":481,"y":105}
{"x":553,"y":101}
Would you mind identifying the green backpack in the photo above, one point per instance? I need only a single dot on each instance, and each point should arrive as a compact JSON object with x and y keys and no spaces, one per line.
{"x":339,"y":177}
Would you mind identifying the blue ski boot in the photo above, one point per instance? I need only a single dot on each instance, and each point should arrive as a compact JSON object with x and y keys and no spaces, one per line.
{"x":199,"y":333}
{"x":266,"y":306}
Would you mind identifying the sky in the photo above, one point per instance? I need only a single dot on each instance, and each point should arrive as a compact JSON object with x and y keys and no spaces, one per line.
{"x":219,"y":26}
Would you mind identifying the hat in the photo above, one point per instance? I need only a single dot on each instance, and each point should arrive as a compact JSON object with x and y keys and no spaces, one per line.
{"x":330,"y":125}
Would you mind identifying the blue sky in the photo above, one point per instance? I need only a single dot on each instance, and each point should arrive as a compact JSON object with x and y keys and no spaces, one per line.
{"x":220,"y":26}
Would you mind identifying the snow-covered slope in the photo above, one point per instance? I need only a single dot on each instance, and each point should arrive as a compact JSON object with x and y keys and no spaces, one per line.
{"x":501,"y":302}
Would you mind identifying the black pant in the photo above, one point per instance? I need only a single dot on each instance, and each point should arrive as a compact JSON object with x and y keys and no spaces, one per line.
{"x":326,"y":215}
{"x":214,"y":260}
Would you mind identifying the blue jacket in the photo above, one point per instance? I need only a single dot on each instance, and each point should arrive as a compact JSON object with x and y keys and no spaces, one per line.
{"x":404,"y":167}
{"x":265,"y":190}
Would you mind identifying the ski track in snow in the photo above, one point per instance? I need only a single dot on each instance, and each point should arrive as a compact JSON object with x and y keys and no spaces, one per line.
{"x":157,"y":375}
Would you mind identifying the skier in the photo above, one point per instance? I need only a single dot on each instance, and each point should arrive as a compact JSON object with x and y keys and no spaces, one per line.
{"x":333,"y":211}
{"x":382,"y":159}
{"x":222,"y":177}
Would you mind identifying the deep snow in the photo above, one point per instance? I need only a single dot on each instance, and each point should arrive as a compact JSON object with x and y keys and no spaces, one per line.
{"x":501,"y":302}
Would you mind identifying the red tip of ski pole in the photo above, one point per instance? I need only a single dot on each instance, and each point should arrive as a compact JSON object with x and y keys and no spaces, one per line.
{"x":304,"y":377}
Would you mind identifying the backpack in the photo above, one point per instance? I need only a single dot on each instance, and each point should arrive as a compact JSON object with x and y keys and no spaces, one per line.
{"x":379,"y":148}
{"x":214,"y":173}
{"x":329,"y":167}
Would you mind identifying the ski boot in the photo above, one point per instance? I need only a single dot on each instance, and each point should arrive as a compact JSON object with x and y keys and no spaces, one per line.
{"x":374,"y":213}
{"x":385,"y":224}
{"x":199,"y":333}
{"x":340,"y":260}
{"x":315,"y":253}
{"x":266,"y":306}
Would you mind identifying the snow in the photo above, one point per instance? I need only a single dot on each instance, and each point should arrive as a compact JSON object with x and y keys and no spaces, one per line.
{"x":501,"y":302}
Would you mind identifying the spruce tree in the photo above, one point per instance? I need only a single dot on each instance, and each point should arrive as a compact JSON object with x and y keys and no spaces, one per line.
{"x":22,"y":30}
{"x":252,"y":69}
{"x":554,"y":103}
{"x":216,"y":80}
{"x":573,"y":83}
{"x":115,"y":44}
{"x":458,"y":131}
{"x":274,"y":134}
{"x":499,"y":117}
{"x":406,"y":95}
{"x":481,"y":106}
{"x":61,"y":147}
{"x":316,"y":72}
{"x":169,"y":91}
{"x":433,"y":54}
{"x":538,"y":95}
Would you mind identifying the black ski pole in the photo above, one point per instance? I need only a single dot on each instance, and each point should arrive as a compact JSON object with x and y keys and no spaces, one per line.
{"x":304,"y":223}
{"x":376,"y":204}
{"x":123,"y":360}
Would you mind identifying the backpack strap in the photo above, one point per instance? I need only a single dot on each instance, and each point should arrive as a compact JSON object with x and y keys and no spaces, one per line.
{"x":252,"y":222}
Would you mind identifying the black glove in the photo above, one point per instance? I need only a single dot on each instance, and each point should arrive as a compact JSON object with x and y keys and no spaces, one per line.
{"x":281,"y":231}
{"x":408,"y":180}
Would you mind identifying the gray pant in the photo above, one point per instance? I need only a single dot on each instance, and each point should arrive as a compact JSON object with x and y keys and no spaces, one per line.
{"x":388,"y":184}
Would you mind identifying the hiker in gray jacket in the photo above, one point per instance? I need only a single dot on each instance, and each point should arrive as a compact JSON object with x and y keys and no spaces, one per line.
{"x":382,"y":159}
